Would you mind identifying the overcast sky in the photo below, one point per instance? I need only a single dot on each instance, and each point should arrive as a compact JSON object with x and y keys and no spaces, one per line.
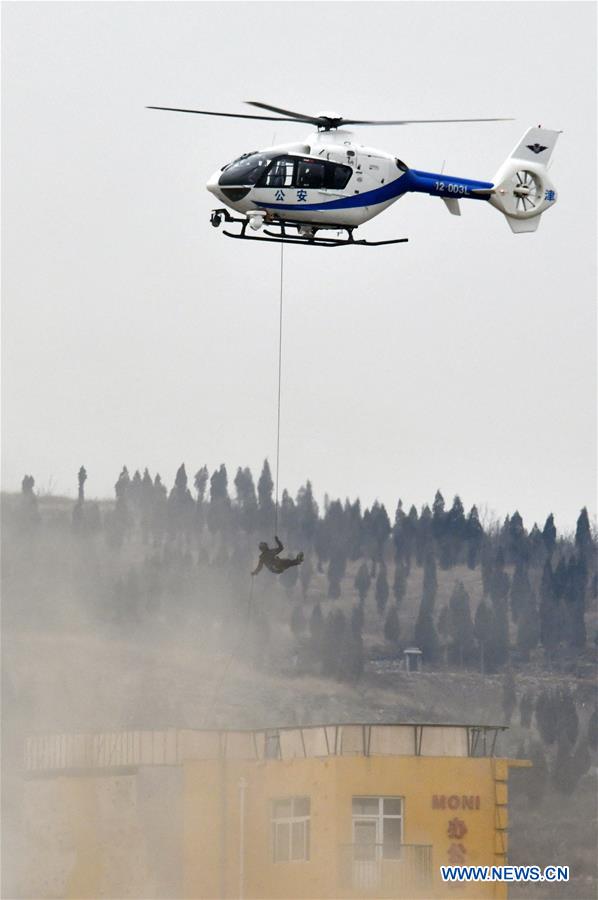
{"x":134,"y":333}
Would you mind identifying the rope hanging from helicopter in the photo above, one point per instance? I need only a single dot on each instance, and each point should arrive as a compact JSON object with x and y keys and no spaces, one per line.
{"x":279,"y":385}
{"x":242,"y":634}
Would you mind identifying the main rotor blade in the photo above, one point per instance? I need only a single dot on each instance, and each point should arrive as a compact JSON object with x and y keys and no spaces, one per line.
{"x":205,"y":112}
{"x":414,"y":121}
{"x":315,"y":120}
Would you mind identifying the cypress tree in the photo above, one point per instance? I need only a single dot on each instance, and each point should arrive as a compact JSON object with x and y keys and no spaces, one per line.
{"x":499,"y":580}
{"x":399,"y":585}
{"x":219,"y":509}
{"x":265,"y":487}
{"x":520,"y":590}
{"x":536,"y":778}
{"x":381,"y":589}
{"x":517,"y":540}
{"x":560,"y":578}
{"x":575,"y":605}
{"x":307,"y":514}
{"x":353,"y":527}
{"x":246,"y":499}
{"x":423,"y":536}
{"x":565,"y":774}
{"x":460,"y":626}
{"x":399,"y":533}
{"x":499,"y":647}
{"x":549,"y":535}
{"x":430,"y":583}
{"x":483,"y":631}
{"x":528,"y":628}
{"x":583,"y":535}
{"x":549,"y":611}
{"x":425,"y":635}
{"x":487,"y":566}
{"x":350,"y":657}
{"x":81,"y":479}
{"x":454,"y":535}
{"x":392,"y":630}
{"x":181,"y":506}
{"x":362,"y":582}
{"x":357,"y":619}
{"x":200,"y":483}
{"x":474,"y":535}
{"x":438,"y":517}
{"x":536,"y":547}
{"x":336,"y":571}
{"x":78,"y":514}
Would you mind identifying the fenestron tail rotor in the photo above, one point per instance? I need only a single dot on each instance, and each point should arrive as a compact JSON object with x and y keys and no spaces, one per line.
{"x":527,"y":191}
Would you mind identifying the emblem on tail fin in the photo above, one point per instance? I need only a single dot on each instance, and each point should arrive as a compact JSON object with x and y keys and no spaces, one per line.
{"x":536,"y":148}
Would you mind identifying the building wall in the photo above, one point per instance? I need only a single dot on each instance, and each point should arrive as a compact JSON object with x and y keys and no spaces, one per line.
{"x":104,"y":835}
{"x":457,"y":805}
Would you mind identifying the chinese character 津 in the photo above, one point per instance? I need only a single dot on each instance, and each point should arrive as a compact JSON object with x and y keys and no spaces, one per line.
{"x":549,"y":195}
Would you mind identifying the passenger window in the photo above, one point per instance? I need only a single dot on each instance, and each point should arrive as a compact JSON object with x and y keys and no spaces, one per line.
{"x":310,"y":174}
{"x":337,"y":176}
{"x":280,"y":174}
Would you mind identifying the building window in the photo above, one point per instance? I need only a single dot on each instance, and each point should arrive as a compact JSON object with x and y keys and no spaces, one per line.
{"x":377,"y":827}
{"x":290,"y":829}
{"x":272,"y":745}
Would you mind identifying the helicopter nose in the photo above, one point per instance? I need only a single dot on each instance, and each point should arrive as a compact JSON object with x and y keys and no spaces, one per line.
{"x":212,"y":185}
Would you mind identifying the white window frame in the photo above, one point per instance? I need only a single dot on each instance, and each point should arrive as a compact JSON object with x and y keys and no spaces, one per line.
{"x":292,"y":823}
{"x":378,"y":817}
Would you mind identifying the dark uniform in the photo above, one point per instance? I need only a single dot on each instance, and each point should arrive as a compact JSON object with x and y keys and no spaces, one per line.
{"x":270,"y":559}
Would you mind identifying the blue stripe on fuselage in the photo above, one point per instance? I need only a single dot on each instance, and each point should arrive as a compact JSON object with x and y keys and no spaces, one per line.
{"x":411,"y":180}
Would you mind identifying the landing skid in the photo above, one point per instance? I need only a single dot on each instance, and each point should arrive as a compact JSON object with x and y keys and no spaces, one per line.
{"x":283,"y":237}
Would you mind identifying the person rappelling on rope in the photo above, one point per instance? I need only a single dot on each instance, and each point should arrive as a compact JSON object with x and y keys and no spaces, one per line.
{"x":270,"y":559}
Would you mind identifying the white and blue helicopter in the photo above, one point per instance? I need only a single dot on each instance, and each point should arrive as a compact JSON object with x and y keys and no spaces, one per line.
{"x":328,"y":183}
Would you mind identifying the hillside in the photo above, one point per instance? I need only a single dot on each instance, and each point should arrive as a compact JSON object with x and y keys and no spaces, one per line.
{"x":142,"y":633}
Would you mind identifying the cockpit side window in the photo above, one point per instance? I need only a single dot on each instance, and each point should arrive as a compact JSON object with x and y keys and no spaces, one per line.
{"x":247,"y":170}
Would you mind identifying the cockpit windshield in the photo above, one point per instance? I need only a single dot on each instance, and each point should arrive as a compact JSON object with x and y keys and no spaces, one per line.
{"x":245,"y":170}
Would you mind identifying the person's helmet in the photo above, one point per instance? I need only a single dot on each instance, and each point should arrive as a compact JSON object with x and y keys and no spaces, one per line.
{"x":263,"y":545}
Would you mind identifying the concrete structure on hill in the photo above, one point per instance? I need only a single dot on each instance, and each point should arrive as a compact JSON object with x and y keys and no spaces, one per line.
{"x":331,"y":811}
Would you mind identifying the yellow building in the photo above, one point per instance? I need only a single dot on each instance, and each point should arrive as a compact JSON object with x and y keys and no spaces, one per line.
{"x":335,"y":811}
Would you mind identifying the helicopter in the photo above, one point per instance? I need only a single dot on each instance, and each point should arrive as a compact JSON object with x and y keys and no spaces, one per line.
{"x":302,"y":192}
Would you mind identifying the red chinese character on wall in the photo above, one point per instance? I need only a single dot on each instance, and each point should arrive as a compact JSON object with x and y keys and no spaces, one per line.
{"x":456,"y":829}
{"x":456,"y":854}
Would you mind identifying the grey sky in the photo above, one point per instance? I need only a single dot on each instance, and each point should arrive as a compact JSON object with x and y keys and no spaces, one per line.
{"x":136,"y":334}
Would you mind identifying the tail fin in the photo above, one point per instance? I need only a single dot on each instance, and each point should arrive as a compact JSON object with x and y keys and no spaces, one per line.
{"x":522,"y":190}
